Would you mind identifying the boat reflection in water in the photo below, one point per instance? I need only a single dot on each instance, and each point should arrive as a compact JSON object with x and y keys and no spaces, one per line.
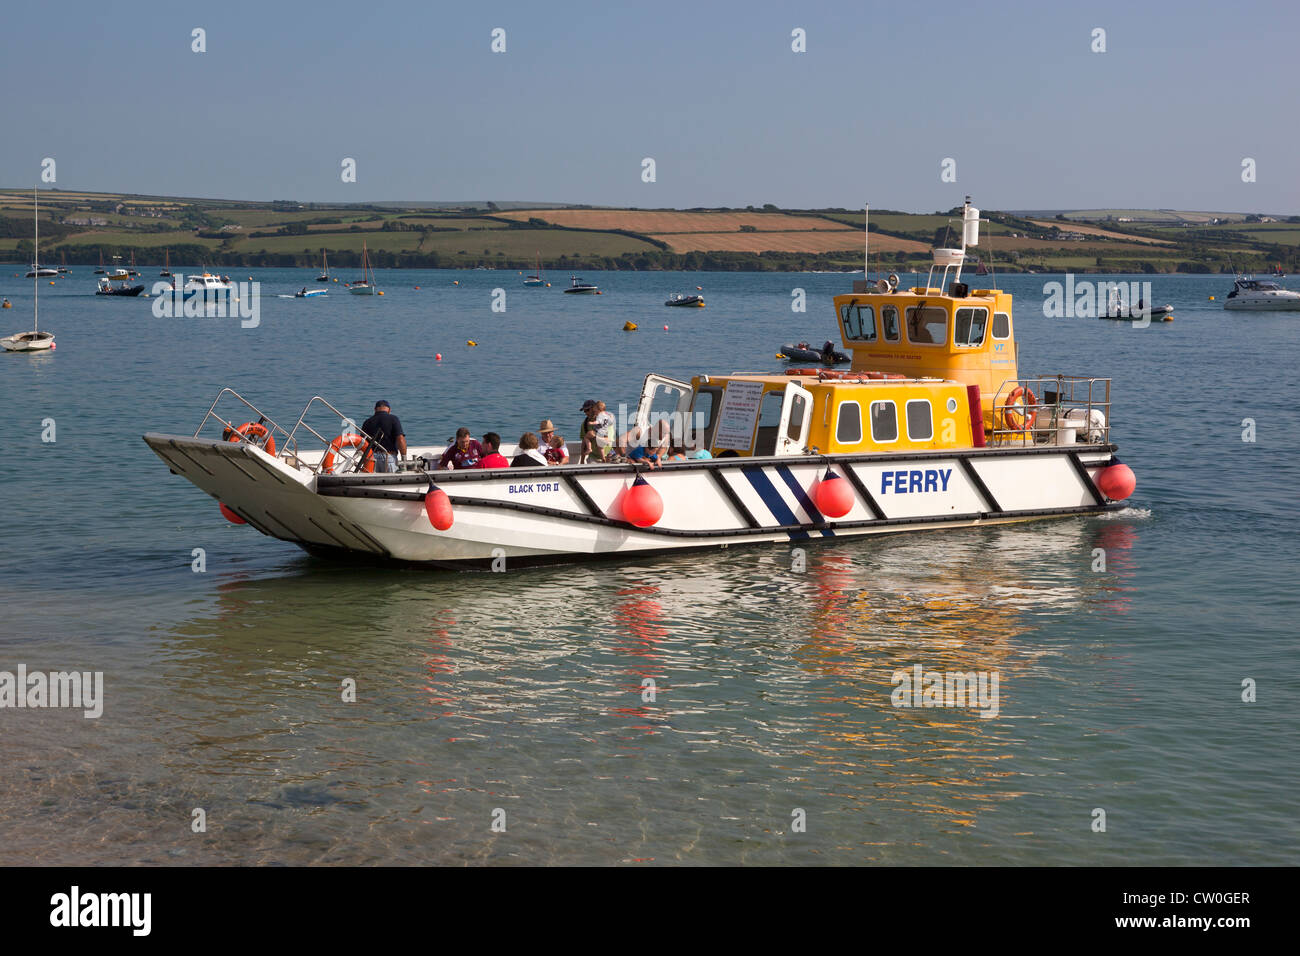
{"x":527,"y":692}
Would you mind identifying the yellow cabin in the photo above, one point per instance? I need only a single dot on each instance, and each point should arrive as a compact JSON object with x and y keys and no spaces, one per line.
{"x":916,"y":353}
{"x":919,"y":332}
{"x":755,"y":415}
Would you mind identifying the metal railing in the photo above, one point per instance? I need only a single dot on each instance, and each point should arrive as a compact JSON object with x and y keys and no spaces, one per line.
{"x":347,"y":457}
{"x":1056,"y":410}
{"x":231,"y":432}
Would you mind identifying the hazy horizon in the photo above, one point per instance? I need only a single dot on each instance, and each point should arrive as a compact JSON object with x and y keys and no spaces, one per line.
{"x":715,"y":95}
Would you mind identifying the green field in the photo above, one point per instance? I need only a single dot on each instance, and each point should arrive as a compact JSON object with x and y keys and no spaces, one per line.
{"x":462,"y":237}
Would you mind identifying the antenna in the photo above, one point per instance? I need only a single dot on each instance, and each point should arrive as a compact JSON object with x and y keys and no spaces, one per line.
{"x":866,"y":243}
{"x":36,"y":264}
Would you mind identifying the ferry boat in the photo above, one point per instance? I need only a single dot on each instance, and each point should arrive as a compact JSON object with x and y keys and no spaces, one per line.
{"x":932,"y":427}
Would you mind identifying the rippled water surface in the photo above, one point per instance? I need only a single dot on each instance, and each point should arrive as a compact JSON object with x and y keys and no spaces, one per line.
{"x":1119,"y":689}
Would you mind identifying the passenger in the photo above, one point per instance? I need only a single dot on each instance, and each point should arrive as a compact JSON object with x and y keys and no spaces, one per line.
{"x":659,"y":441}
{"x":640,"y":454}
{"x":389,"y":439}
{"x":557,"y":452}
{"x":586,"y":431}
{"x":529,"y":456}
{"x":695,"y":450}
{"x":464,"y":453}
{"x":597,"y":431}
{"x":492,"y":457}
{"x":544,"y":432}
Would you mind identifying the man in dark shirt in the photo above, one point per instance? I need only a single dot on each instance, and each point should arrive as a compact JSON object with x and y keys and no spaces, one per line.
{"x":385,"y":428}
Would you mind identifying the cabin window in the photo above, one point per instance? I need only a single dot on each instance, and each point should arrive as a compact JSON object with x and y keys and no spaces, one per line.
{"x":889,"y":323}
{"x":704,"y":415}
{"x":1001,"y":325}
{"x":884,"y":422}
{"x":769,"y":422}
{"x":920,"y":423}
{"x":969,"y":327}
{"x":798,"y":406}
{"x":859,"y":323}
{"x":848,"y":423}
{"x":927,"y":326}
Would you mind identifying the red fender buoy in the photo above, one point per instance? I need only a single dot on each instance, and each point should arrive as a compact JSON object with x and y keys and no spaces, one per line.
{"x":642,"y":505}
{"x":230,"y":515}
{"x":1117,"y":481}
{"x":438,"y":507}
{"x":834,"y":496}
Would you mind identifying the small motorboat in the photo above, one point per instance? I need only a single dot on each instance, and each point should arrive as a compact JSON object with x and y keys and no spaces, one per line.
{"x":803,"y":352}
{"x":687,"y":301}
{"x":308,"y":293}
{"x":578,"y":287}
{"x":1261,"y":295}
{"x":41,"y":272}
{"x":116,"y":285}
{"x":1120,"y":312}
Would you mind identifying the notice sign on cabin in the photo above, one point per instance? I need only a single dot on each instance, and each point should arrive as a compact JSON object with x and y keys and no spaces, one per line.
{"x":738,"y":415}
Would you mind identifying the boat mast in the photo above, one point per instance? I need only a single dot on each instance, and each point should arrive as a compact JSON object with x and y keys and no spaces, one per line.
{"x":866,"y":243}
{"x":36,"y":253}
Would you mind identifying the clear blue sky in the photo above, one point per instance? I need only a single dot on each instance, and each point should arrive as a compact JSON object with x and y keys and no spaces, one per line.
{"x":711,"y":91}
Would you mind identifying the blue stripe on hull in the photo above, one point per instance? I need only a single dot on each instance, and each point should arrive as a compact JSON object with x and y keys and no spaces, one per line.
{"x":801,"y":496}
{"x":759,"y":481}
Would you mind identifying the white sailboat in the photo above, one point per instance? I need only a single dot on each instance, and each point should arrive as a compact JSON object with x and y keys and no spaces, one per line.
{"x":535,"y":280}
{"x":35,"y":340}
{"x":366,"y":284}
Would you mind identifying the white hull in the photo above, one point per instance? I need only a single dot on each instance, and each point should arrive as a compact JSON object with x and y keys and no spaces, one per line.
{"x":361,"y":289}
{"x":28,"y":342}
{"x":572,"y":513}
{"x":1264,"y":303}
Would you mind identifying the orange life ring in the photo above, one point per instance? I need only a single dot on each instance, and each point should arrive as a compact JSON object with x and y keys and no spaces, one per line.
{"x":347,"y":441}
{"x":250,"y":429}
{"x":1023,"y":421}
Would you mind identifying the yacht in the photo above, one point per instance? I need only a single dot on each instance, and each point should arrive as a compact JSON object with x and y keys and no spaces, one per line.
{"x":205,"y":285}
{"x":1263,"y":295}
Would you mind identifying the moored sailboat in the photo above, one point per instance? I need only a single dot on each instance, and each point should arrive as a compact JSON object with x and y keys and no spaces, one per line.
{"x":366,"y":284}
{"x":535,"y":280}
{"x":35,"y":340}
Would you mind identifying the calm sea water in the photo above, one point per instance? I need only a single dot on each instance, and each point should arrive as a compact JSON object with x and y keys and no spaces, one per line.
{"x":522,"y":692}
